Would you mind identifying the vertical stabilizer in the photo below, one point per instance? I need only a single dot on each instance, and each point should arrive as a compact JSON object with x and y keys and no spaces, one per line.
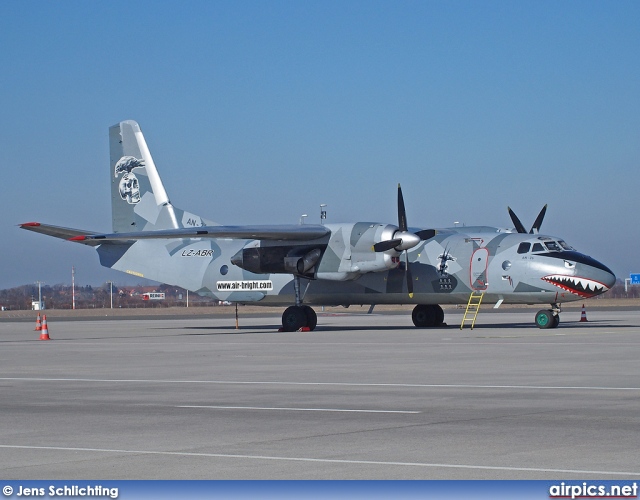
{"x":139,"y":201}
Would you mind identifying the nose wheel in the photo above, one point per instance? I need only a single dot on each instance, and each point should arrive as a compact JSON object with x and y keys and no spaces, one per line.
{"x":548,"y":318}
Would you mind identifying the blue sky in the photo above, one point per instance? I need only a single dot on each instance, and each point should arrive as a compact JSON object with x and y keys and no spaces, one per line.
{"x":257,"y":112}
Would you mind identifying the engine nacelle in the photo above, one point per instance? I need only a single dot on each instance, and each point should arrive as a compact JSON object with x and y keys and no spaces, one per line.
{"x":281,"y":259}
{"x":302,"y":265}
{"x":363,"y":258}
{"x":382,"y":262}
{"x":353,"y":245}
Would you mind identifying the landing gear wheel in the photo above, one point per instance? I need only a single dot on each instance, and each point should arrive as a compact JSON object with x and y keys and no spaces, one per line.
{"x":312,"y":318}
{"x":427,"y":315}
{"x":294,"y":318}
{"x":439,"y":315}
{"x":546,"y":319}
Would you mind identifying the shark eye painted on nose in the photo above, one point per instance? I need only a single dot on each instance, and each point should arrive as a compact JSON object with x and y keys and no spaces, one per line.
{"x":569,"y":265}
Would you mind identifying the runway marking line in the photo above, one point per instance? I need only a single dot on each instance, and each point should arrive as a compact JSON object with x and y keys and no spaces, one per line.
{"x":335,"y":384}
{"x":295,"y":409}
{"x":324,"y":460}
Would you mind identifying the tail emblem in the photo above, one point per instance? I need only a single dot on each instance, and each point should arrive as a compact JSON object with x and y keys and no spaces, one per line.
{"x":129,"y":186}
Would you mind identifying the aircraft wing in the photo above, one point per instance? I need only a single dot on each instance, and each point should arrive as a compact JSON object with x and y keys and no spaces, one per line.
{"x":64,"y":233}
{"x":302,"y":232}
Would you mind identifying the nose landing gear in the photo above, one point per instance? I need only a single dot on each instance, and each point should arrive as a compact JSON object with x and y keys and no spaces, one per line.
{"x":548,"y":318}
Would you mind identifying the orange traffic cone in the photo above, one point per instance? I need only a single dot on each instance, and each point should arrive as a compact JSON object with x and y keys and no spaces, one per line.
{"x":38,"y":324}
{"x":44,"y":334}
{"x":583,"y":316}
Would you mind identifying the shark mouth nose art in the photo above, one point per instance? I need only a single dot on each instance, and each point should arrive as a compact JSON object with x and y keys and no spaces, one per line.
{"x":583,"y":287}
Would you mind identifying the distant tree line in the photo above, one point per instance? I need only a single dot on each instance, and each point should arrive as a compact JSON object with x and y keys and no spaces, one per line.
{"x":617,"y":292}
{"x":87,"y":297}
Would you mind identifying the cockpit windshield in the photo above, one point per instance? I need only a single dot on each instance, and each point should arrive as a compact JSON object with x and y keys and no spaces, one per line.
{"x":552,"y":246}
{"x":564,"y":245}
{"x":545,"y":245}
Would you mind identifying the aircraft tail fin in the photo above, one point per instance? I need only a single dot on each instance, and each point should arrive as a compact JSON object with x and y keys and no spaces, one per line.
{"x":139,"y":201}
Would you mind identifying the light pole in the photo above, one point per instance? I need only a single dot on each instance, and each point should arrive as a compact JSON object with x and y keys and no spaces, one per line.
{"x":111,"y":292}
{"x":323,"y":212}
{"x":39,"y":283}
{"x":73,"y":287}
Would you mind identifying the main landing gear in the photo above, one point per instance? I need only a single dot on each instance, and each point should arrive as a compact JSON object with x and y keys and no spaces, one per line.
{"x":297,"y":317}
{"x":548,"y":318}
{"x":427,"y":315}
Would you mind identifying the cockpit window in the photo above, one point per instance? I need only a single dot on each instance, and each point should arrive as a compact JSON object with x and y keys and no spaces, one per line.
{"x":549,"y":245}
{"x":553,"y":246}
{"x":564,"y":245}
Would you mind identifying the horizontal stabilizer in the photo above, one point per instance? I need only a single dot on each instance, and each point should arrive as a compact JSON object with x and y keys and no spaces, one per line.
{"x":268,"y":232}
{"x":64,"y":233}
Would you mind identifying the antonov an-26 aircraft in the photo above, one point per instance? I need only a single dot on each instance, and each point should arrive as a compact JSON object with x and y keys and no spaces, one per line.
{"x":334,"y":264}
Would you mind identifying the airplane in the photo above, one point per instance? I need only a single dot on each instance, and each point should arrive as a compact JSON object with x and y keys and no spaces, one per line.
{"x":305,"y":265}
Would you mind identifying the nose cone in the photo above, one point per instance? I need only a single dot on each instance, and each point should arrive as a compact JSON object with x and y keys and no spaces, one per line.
{"x":609,"y":280}
{"x":582,"y":275}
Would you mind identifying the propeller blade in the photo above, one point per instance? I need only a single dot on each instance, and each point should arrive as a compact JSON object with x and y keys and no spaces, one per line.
{"x":516,"y":222}
{"x":426,"y":234}
{"x":407,"y":272}
{"x":538,"y":221}
{"x":402,"y":214}
{"x":383,"y":246}
{"x":407,"y":239}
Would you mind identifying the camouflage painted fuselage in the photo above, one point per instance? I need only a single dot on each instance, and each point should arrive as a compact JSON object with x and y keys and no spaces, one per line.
{"x":444,"y":269}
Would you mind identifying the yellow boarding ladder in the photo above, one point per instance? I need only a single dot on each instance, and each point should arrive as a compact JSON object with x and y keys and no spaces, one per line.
{"x":473,"y":307}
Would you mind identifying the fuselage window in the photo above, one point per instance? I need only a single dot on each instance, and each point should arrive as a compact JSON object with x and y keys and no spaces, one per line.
{"x":537,"y":247}
{"x":524,"y":247}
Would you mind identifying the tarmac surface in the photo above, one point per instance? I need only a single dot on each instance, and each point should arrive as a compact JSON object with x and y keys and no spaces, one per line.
{"x":362,"y":397}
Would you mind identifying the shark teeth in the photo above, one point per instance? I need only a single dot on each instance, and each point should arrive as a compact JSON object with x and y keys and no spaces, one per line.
{"x":583,"y":287}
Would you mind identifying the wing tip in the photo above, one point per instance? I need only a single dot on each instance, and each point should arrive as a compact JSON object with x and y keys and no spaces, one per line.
{"x":30,"y":224}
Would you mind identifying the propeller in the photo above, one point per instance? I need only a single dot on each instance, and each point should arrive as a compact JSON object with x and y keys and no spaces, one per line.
{"x":403,"y":240}
{"x":536,"y":225}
